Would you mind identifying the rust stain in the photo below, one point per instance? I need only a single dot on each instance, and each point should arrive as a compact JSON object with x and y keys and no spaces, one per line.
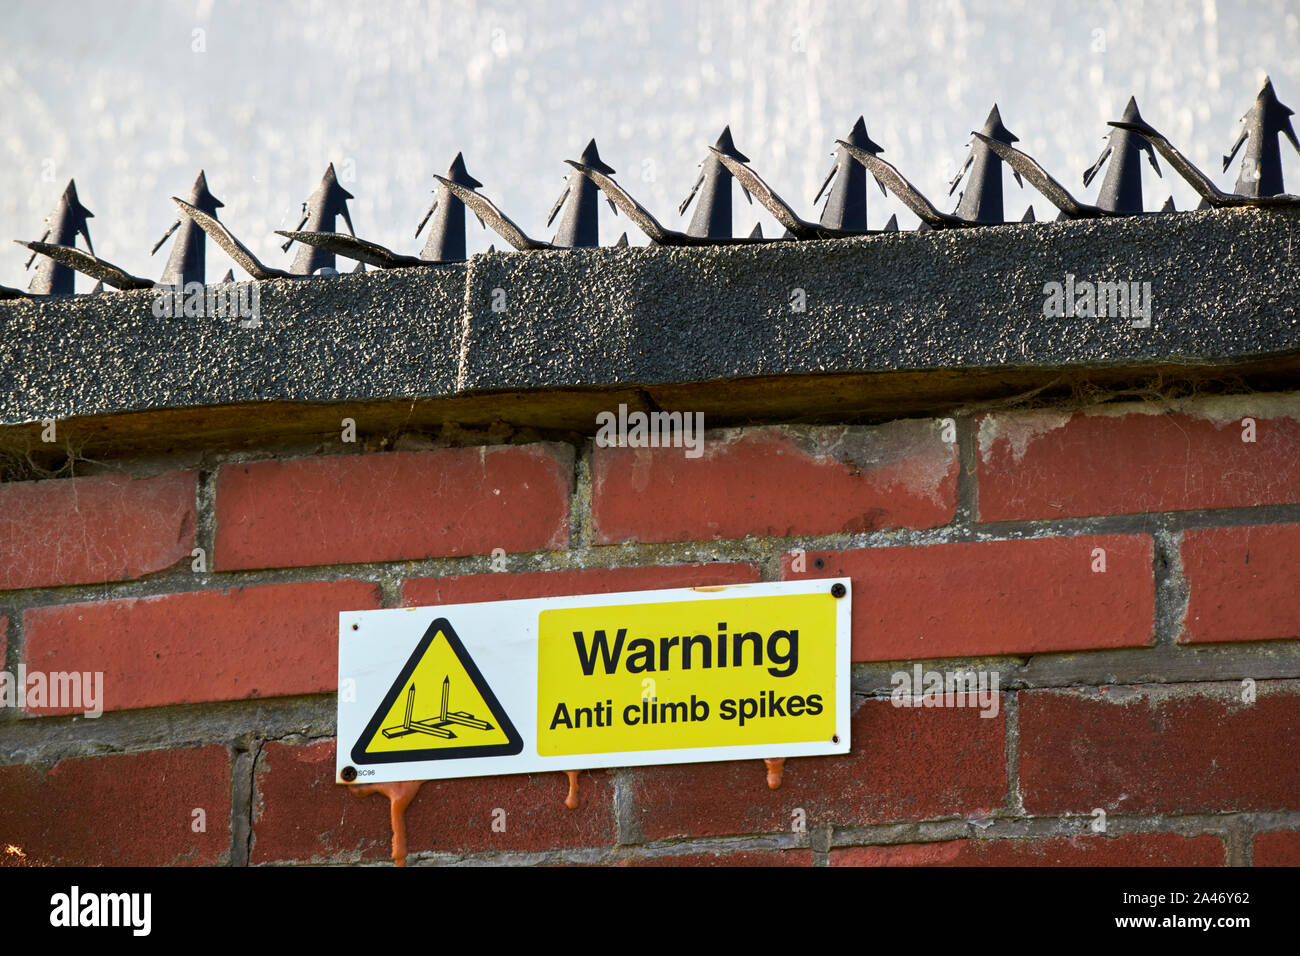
{"x":717,"y":587}
{"x":571,"y":801}
{"x":400,"y":793}
{"x":775,"y":767}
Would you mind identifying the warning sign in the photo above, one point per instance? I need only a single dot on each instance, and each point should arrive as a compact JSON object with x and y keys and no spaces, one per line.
{"x":437,"y":725}
{"x":671,"y":676}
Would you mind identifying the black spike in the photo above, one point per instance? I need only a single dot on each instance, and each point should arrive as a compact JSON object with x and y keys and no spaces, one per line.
{"x":580,"y":202}
{"x":229,"y":276}
{"x":1261,"y":167}
{"x":846,"y":204}
{"x":361,"y":267}
{"x":981,"y":200}
{"x":62,"y":226}
{"x":757,"y":231}
{"x":1029,"y":215}
{"x":622,"y":242}
{"x":188,"y":260}
{"x":712,"y":218}
{"x":327,"y":203}
{"x":1169,"y":205}
{"x":892,"y":225}
{"x":446,"y":242}
{"x":1121,"y":190}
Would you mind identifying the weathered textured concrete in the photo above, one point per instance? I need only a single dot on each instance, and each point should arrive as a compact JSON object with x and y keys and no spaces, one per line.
{"x":898,"y":323}
{"x":1225,"y":285}
{"x":373,"y":335}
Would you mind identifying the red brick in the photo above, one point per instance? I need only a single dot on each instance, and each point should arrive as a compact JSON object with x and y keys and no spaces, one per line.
{"x":301,"y":814}
{"x":397,"y":506}
{"x":1279,"y":848}
{"x":775,"y":482}
{"x":730,"y":858}
{"x":994,"y":597}
{"x":100,"y":528}
{"x":905,"y":764}
{"x":1242,"y":583}
{"x":1175,"y":749}
{"x":266,"y":641}
{"x":1136,"y":849}
{"x":468,"y":588}
{"x":1041,"y":464}
{"x":121,"y":809}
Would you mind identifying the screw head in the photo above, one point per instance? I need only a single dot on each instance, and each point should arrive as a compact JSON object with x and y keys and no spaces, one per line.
{"x":348,"y":773}
{"x":838,"y":590}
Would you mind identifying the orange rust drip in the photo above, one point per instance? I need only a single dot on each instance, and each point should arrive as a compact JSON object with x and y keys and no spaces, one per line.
{"x":571,"y":801}
{"x":400,"y":793}
{"x":775,"y":767}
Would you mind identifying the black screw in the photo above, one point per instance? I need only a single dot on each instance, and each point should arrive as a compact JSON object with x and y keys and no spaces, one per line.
{"x":355,"y":626}
{"x":838,"y":590}
{"x":819,"y":563}
{"x":349,"y":774}
{"x":835,"y":739}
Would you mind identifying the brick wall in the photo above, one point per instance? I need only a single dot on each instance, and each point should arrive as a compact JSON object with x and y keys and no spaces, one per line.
{"x":1128,"y":571}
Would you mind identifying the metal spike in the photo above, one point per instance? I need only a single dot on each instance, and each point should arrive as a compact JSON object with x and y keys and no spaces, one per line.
{"x":1029,"y":215}
{"x":580,"y":222}
{"x":757,"y":231}
{"x":981,"y":201}
{"x":892,"y":225}
{"x":1169,"y":205}
{"x":1121,"y":190}
{"x":622,"y":242}
{"x":446,"y":242}
{"x":712,"y":218}
{"x":846,"y":204}
{"x":188,"y":261}
{"x":64,"y":223}
{"x":99,"y":288}
{"x":229,"y":276}
{"x":327,"y":203}
{"x":1261,"y":167}
{"x":361,"y":267}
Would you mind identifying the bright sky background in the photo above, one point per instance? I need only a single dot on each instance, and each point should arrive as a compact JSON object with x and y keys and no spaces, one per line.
{"x":133,"y":99}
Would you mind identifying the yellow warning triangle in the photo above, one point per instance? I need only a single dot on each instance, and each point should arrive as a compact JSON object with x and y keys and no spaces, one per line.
{"x":439,"y":707}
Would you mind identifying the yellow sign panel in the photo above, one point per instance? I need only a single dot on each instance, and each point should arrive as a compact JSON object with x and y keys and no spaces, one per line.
{"x":687,"y":674}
